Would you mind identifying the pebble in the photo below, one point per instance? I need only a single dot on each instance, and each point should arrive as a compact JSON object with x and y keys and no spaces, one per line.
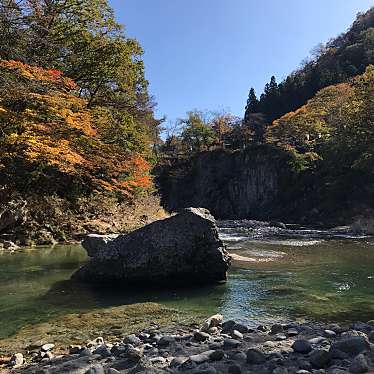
{"x":103,"y":351}
{"x":166,"y":340}
{"x":201,"y":336}
{"x":236,"y":334}
{"x":276,"y":329}
{"x":231,"y":343}
{"x":17,"y":360}
{"x":255,"y":356}
{"x":133,"y":340}
{"x":292,"y":332}
{"x":359,"y":365}
{"x":319,"y":358}
{"x":330,"y":333}
{"x":47,"y":347}
{"x":302,"y":346}
{"x":217,"y":355}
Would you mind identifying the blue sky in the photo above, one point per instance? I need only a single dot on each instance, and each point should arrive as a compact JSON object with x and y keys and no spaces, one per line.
{"x":206,"y":54}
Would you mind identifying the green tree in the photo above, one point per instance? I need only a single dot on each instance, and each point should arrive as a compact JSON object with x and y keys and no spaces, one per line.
{"x":197,"y":134}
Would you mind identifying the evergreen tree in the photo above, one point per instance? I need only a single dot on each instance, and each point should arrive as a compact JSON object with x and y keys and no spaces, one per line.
{"x":252,"y":104}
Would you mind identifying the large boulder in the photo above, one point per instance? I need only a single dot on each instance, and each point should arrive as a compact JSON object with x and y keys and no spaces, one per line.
{"x":182,"y":249}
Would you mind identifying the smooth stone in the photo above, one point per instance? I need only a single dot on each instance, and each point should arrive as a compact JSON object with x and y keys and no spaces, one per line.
{"x":47,"y":347}
{"x":255,"y":356}
{"x":319,"y":358}
{"x":201,"y":336}
{"x":213,"y":331}
{"x":231,"y":343}
{"x":359,"y":365}
{"x":178,"y":361}
{"x":217,"y":355}
{"x":352,"y":345}
{"x":317,"y":340}
{"x":239,"y":356}
{"x":158,"y":360}
{"x":213,"y":321}
{"x":302,"y":346}
{"x":234,"y":369}
{"x":303,"y":372}
{"x":113,"y":371}
{"x":236,"y":335}
{"x":85,"y":352}
{"x":201,"y":357}
{"x":103,"y":351}
{"x":228,"y":326}
{"x":276,"y":329}
{"x":280,"y":337}
{"x":17,"y":360}
{"x":166,"y":340}
{"x":241,"y":328}
{"x":132,"y":339}
{"x":292,"y":332}
{"x":134,"y":354}
{"x":330,"y":333}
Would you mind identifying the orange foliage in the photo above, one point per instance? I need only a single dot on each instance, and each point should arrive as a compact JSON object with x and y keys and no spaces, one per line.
{"x":58,"y":129}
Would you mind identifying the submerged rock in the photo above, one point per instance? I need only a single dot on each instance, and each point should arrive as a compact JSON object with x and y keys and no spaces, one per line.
{"x":184,"y":249}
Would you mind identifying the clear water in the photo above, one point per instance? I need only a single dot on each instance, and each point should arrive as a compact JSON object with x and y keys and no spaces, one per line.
{"x":293,"y":277}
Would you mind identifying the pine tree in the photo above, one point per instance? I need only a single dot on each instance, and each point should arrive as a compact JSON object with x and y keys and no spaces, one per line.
{"x":252,"y":104}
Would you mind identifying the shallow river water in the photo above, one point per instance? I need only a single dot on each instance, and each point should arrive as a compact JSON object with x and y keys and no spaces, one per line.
{"x":292,"y":274}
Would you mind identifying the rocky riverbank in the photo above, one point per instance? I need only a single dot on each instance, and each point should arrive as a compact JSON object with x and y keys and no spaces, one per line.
{"x":216,"y":346}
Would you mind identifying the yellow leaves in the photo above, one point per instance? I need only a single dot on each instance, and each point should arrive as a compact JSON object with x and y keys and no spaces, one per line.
{"x":51,"y":76}
{"x":58,"y":130}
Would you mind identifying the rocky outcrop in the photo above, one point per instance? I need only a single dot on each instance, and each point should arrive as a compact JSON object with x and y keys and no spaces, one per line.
{"x":231,"y":184}
{"x":183,"y":249}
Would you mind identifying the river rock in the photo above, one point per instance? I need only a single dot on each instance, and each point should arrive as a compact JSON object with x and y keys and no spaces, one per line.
{"x":211,"y":322}
{"x":47,"y":347}
{"x":17,"y":360}
{"x":302,"y":346}
{"x":184,"y":248}
{"x":255,"y":356}
{"x":133,"y":340}
{"x":351,"y":345}
{"x":319,"y":358}
{"x":359,"y":365}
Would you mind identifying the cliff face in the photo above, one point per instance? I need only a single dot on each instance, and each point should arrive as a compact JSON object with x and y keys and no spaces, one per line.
{"x":232,"y":185}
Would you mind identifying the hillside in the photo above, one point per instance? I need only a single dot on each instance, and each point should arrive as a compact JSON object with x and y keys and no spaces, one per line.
{"x":341,"y":58}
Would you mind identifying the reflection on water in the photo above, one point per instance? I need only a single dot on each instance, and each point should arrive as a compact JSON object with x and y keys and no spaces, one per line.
{"x":329,"y":279}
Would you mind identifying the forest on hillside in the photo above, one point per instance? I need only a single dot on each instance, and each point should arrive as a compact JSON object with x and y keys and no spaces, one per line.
{"x":321,"y":116}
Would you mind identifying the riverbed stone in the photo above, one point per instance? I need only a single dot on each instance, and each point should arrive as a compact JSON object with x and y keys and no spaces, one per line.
{"x":229,"y":343}
{"x":236,"y":335}
{"x":133,"y":340}
{"x":302,"y":346}
{"x":213,"y":321}
{"x":47,"y":347}
{"x":201,"y":336}
{"x":351,"y":345}
{"x":276,"y":329}
{"x":217,"y":355}
{"x":184,"y":249}
{"x":359,"y":365}
{"x":255,"y":356}
{"x":319,"y":358}
{"x":103,"y":351}
{"x":17,"y":360}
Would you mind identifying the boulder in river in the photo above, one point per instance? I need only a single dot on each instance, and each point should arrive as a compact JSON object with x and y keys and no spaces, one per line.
{"x":183,"y":249}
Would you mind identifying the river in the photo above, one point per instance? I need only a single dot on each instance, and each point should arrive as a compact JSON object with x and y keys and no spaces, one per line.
{"x":324,"y":275}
